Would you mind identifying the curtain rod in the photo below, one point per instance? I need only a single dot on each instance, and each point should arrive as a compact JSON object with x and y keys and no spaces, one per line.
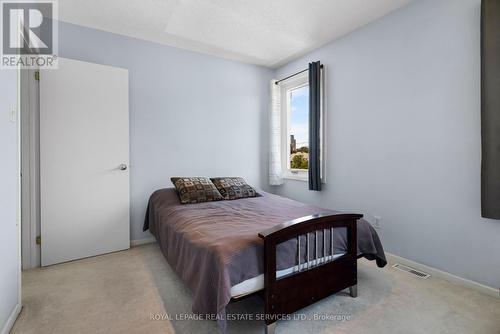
{"x":291,"y":76}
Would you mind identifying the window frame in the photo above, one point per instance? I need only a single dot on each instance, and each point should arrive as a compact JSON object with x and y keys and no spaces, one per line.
{"x":286,"y":87}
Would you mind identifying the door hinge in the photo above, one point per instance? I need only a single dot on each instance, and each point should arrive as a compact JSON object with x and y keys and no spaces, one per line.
{"x":37,"y":75}
{"x":38,"y":240}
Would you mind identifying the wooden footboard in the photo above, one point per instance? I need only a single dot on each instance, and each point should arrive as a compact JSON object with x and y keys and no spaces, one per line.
{"x":318,"y":273}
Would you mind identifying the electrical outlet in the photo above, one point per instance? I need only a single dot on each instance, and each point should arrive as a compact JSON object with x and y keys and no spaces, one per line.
{"x":377,"y":222}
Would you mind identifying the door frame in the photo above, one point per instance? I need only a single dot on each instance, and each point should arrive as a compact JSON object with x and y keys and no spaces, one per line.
{"x":17,"y":119}
{"x":19,"y":212}
{"x":29,"y":135}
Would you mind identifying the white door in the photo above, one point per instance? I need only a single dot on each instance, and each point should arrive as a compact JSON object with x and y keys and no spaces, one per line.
{"x":84,"y":157}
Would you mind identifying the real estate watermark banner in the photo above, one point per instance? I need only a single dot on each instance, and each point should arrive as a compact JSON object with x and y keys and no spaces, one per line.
{"x":29,"y":36}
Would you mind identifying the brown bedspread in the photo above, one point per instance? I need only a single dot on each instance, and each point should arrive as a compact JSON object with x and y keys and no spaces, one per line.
{"x":213,"y":246}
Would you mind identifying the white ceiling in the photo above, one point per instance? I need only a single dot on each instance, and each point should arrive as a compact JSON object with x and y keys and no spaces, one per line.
{"x":263,"y":32}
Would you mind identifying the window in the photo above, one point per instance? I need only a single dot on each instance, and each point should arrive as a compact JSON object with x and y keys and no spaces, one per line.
{"x":298,"y":128}
{"x":295,"y":122}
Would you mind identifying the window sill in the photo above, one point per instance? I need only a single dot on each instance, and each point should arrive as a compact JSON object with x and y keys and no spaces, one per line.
{"x":304,"y":177}
{"x":298,"y":177}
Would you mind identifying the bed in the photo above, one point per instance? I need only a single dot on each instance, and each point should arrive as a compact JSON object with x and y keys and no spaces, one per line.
{"x":226,"y":250}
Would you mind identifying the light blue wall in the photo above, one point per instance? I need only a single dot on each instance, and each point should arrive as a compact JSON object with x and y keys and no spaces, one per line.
{"x":403,"y":135}
{"x":190,"y":114}
{"x":9,"y":247}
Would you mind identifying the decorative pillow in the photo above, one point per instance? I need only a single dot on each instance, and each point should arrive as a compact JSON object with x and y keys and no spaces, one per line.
{"x":233,"y":187}
{"x":195,"y":189}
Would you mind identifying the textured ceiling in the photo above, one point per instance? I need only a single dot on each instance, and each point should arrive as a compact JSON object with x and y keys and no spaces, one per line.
{"x":263,"y":32}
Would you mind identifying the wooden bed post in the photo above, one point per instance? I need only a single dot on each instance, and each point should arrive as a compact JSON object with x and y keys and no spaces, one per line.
{"x":353,"y":291}
{"x":269,"y":281}
{"x":299,"y":289}
{"x":271,"y":328}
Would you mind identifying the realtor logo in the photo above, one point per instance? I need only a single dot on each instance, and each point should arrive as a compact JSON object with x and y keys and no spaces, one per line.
{"x":29,"y":34}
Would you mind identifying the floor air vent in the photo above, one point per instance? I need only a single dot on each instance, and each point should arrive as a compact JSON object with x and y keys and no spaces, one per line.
{"x":419,"y":274}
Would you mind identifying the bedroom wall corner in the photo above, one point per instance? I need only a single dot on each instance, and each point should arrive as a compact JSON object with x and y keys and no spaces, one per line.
{"x":10,"y":279}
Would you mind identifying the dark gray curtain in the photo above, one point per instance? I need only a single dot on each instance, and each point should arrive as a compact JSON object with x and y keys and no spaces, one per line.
{"x":490,"y":108}
{"x":314,"y":126}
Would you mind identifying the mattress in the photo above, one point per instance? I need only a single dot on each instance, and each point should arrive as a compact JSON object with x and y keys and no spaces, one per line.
{"x":255,"y":284}
{"x":215,"y":249}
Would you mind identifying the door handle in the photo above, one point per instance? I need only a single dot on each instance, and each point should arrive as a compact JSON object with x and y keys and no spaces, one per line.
{"x":122,"y":167}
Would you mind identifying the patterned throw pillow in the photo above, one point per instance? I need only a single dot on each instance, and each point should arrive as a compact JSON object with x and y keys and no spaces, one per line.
{"x":195,"y":189}
{"x":233,"y":187}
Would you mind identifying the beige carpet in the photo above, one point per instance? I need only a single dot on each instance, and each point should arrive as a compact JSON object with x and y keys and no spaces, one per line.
{"x":121,"y":292}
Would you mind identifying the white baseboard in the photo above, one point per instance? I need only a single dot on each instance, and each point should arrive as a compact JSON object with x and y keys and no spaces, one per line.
{"x":139,"y":242}
{"x":444,"y":275}
{"x":12,"y":319}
